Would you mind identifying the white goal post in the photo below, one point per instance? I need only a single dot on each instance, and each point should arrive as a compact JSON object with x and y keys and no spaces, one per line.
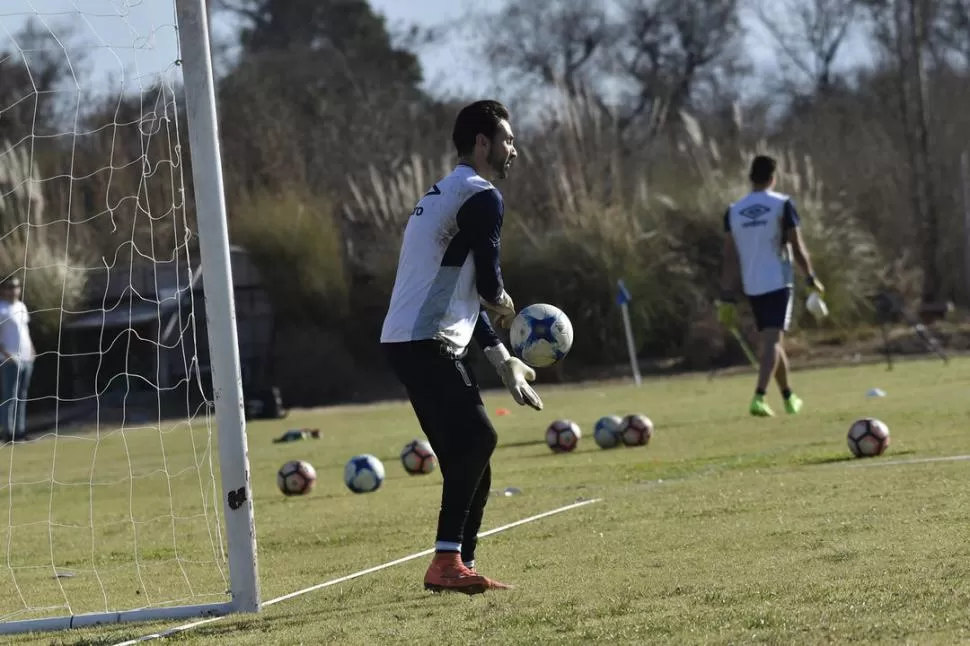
{"x":200,"y":100}
{"x":128,"y":523}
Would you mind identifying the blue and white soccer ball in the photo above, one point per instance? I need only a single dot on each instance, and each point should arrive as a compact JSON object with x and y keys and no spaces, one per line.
{"x":607,"y":431}
{"x":363,"y":473}
{"x":541,"y":335}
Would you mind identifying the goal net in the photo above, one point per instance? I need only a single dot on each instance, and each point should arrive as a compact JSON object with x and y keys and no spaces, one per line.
{"x":113,"y":505}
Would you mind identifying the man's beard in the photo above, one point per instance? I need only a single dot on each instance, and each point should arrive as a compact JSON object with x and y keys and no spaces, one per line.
{"x":500,"y":166}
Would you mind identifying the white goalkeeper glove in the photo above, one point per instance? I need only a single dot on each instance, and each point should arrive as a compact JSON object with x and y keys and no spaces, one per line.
{"x":515,"y":375}
{"x":503,"y":309}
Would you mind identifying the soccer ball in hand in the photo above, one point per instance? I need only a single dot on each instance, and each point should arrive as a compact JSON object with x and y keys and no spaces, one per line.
{"x":563,"y":435}
{"x":541,"y":335}
{"x":363,"y":473}
{"x":868,"y":437}
{"x":418,"y":457}
{"x":296,"y":478}
{"x":607,"y":431}
{"x":636,"y":430}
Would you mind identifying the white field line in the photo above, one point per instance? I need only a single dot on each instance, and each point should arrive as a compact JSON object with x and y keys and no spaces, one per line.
{"x":370,"y":570}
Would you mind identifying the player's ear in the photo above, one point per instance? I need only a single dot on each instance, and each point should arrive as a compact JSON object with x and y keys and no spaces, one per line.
{"x":482,"y":140}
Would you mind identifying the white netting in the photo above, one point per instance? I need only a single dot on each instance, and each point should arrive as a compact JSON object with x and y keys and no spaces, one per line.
{"x":113,"y":503}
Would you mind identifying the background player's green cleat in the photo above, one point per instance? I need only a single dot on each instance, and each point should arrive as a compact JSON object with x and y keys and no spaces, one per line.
{"x":793,"y":404}
{"x":759,"y":408}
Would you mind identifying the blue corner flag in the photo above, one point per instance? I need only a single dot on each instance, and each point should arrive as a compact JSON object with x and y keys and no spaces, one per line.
{"x":622,"y":293}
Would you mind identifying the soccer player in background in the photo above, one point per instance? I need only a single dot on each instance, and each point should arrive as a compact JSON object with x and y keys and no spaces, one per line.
{"x":762,"y":233}
{"x":448,"y":278}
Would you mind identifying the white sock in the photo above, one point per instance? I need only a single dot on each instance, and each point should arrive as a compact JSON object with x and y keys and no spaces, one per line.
{"x":446,"y":546}
{"x":469,"y":564}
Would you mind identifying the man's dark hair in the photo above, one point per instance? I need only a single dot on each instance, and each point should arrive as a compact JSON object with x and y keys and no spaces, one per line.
{"x":762,"y":169}
{"x":478,"y":118}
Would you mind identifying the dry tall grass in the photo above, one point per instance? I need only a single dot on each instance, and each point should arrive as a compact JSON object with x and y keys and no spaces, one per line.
{"x":583,"y":212}
{"x":293,"y":239}
{"x":34,"y":245}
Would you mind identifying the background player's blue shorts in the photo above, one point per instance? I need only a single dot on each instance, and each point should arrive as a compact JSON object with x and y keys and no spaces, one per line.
{"x":772,"y":309}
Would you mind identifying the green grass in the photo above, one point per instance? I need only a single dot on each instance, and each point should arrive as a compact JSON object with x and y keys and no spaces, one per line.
{"x":725,"y":529}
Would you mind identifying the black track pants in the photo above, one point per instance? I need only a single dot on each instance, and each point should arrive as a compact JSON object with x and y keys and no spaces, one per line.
{"x":445,"y":397}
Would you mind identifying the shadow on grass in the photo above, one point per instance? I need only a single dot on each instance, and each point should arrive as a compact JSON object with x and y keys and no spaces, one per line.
{"x":277,"y":621}
{"x":280,"y":622}
{"x":826,"y":460}
{"x":93,"y":641}
{"x":521,"y":443}
{"x":845,"y":458}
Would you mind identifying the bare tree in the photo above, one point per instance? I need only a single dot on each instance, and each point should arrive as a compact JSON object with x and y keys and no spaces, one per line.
{"x":635,"y":59}
{"x":40,"y":69}
{"x":903,"y":26}
{"x":810,"y":34}
{"x":555,"y":42}
{"x":951,"y":29}
{"x":669,"y":48}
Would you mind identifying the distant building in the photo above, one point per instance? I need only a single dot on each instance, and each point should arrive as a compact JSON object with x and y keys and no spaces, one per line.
{"x":142,"y":332}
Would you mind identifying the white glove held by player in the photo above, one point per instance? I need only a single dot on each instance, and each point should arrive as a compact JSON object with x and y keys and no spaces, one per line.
{"x":503,"y":309}
{"x":515,"y":375}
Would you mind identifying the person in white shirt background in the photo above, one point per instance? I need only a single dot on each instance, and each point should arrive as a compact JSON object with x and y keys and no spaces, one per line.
{"x":17,"y":366}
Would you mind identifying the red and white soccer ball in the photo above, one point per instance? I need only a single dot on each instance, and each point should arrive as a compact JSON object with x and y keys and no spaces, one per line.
{"x":635,"y":430}
{"x":418,"y":457}
{"x":296,"y":478}
{"x":563,"y":435}
{"x":868,"y":437}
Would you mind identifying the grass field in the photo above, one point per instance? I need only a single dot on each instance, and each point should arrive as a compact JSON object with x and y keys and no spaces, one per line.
{"x":725,"y":529}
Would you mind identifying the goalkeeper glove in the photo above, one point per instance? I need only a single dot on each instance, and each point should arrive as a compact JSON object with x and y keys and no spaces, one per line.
{"x":727,"y":311}
{"x":815,"y":304}
{"x":515,"y":375}
{"x":814,"y":283}
{"x":503,"y":309}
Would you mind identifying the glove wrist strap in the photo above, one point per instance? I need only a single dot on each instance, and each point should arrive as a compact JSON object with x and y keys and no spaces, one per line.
{"x":503,"y":300}
{"x":497,"y":355}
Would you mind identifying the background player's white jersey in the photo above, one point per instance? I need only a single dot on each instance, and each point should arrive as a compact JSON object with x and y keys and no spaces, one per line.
{"x":759,"y":224}
{"x":449,"y":256}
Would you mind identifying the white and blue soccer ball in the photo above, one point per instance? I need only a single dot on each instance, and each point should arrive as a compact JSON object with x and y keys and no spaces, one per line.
{"x":606,"y":432}
{"x":363,"y":473}
{"x":541,"y":335}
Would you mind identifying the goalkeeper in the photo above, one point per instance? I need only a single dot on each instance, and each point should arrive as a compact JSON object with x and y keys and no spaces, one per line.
{"x":762,"y":233}
{"x":448,"y":276}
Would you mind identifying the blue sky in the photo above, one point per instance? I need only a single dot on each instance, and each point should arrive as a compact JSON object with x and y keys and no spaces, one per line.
{"x":136,"y":38}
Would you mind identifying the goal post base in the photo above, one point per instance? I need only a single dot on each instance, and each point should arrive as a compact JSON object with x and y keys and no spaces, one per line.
{"x":124,"y":616}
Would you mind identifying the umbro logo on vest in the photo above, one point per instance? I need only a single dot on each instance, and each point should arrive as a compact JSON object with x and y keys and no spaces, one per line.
{"x":754,"y":212}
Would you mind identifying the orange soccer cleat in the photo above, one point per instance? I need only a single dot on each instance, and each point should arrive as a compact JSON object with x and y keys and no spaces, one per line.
{"x":492,"y":584}
{"x":448,"y":574}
